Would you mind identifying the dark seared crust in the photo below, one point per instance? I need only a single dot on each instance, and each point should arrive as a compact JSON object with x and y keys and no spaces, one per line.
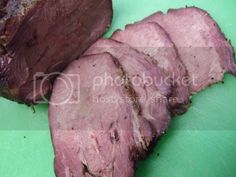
{"x":48,"y":36}
{"x":13,"y":14}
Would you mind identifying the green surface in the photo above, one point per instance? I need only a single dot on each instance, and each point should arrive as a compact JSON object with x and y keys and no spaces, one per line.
{"x":202,"y":143}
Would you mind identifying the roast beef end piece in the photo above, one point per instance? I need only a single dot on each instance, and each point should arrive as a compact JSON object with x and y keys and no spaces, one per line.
{"x":43,"y":37}
{"x":151,"y":39}
{"x":202,"y":46}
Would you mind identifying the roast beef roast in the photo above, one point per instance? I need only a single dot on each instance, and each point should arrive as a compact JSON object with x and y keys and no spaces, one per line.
{"x":96,"y":130}
{"x":152,"y":40}
{"x":147,"y":80}
{"x":202,"y":46}
{"x":109,"y":107}
{"x":44,"y":36}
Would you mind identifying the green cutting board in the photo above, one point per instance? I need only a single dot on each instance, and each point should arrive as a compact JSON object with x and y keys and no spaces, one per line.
{"x":201,"y":143}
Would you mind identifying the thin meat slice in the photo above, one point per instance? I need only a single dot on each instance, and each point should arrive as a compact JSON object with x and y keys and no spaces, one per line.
{"x":203,"y":48}
{"x":93,"y":126}
{"x":151,"y":39}
{"x":41,"y":37}
{"x":147,"y":80}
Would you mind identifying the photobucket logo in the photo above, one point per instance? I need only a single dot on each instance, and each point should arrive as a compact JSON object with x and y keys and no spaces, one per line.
{"x":108,"y":80}
{"x":67,"y":90}
{"x":143,"y":80}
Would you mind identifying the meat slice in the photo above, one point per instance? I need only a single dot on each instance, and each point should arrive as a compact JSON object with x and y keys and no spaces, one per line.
{"x":40,"y":37}
{"x":147,"y":79}
{"x":151,"y":39}
{"x":95,"y":130}
{"x":203,"y":48}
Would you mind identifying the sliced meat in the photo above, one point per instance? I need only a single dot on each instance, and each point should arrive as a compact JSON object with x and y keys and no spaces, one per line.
{"x":147,"y":79}
{"x":152,"y":40}
{"x":95,"y":130}
{"x":202,"y":46}
{"x":43,"y":36}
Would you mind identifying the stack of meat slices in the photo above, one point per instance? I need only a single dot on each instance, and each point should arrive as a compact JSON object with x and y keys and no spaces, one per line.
{"x":129,"y":86}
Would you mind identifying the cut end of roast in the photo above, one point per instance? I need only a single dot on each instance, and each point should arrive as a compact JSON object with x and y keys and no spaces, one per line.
{"x":42,"y":37}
